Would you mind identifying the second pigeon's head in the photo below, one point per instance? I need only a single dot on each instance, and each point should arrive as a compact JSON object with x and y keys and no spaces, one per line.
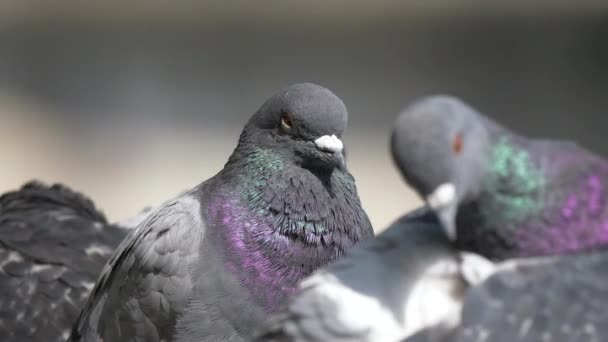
{"x":303,"y":122}
{"x":441,"y":146}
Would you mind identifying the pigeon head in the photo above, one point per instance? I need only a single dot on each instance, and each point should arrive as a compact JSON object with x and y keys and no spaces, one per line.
{"x":304,"y":123}
{"x":441,"y":147}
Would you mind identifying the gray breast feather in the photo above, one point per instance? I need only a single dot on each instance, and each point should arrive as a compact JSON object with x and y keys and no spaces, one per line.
{"x":146,"y":283}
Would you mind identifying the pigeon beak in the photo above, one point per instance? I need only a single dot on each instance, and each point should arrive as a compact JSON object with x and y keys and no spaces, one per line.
{"x":340,"y":161}
{"x":443,"y":202}
{"x":332,"y":144}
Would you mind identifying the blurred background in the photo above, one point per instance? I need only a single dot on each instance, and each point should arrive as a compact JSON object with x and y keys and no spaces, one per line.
{"x":134,"y":102}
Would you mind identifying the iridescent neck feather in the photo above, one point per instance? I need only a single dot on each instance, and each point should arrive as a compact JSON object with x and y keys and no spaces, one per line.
{"x":280,"y":222}
{"x":537,"y":198}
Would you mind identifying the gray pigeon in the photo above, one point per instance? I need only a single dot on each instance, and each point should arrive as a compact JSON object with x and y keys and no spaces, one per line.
{"x":224,"y":255}
{"x":53,"y":244}
{"x":558,"y":299}
{"x":498,"y":193}
{"x":410,"y":283}
{"x":406,"y":279}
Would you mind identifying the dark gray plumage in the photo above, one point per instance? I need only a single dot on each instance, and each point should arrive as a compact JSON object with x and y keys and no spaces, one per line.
{"x":385,"y":289}
{"x":53,"y":244}
{"x":211,"y":264}
{"x":556,"y":299}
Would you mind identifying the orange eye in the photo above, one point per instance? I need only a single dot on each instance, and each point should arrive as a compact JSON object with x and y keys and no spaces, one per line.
{"x":286,"y":122}
{"x":457,"y":144}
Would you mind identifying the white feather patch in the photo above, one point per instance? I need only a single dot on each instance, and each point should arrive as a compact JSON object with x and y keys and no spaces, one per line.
{"x":435,"y":298}
{"x":358,"y":312}
{"x":97,"y":249}
{"x":475,"y":268}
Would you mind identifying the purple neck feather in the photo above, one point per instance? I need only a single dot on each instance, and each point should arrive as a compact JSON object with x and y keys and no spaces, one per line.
{"x":266,"y":263}
{"x":565,"y":213}
{"x":581,"y":222}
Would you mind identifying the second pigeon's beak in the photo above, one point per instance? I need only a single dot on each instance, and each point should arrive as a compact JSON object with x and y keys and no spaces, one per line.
{"x":332,"y":144}
{"x":443,"y":202}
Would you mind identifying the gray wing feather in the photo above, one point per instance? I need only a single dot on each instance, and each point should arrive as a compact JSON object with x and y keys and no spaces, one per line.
{"x":146,"y":283}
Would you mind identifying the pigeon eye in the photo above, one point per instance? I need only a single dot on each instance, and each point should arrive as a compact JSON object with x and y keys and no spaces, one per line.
{"x":286,"y":122}
{"x":457,"y":144}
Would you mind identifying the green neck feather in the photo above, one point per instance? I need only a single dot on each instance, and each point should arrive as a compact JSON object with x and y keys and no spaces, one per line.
{"x":296,"y":199}
{"x":262,"y":166}
{"x":513,"y":180}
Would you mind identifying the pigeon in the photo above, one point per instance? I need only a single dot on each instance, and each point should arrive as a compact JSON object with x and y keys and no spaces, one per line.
{"x":412,"y":284}
{"x":385,"y":289}
{"x":550,"y":298}
{"x":498,"y":193}
{"x":53,"y":244}
{"x":213,"y":263}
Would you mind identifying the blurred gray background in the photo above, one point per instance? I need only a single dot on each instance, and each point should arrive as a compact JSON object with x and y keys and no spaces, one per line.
{"x":132,"y":103}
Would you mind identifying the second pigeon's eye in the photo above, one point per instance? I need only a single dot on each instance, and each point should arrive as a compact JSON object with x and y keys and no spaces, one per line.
{"x":286,"y":122}
{"x":457,"y":144}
